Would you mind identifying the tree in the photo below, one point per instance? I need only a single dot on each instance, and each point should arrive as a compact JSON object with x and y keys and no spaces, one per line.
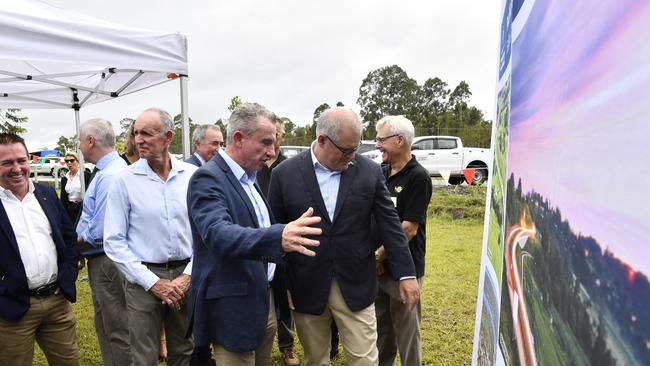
{"x":66,"y":144}
{"x":176,"y":146}
{"x":125,"y":123}
{"x":10,"y":120}
{"x":234,"y":103}
{"x":433,"y":98}
{"x":460,"y":96}
{"x":387,"y":91}
{"x":319,"y":110}
{"x":223,"y":128}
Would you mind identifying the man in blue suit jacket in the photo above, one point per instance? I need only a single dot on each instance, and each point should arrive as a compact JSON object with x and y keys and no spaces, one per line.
{"x":38,"y":265}
{"x":236,"y":243}
{"x":207,"y":139}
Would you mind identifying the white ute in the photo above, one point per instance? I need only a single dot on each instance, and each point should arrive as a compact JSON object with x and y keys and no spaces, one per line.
{"x":436,"y":153}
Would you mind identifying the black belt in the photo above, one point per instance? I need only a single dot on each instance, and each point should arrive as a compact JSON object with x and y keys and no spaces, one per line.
{"x":45,"y":290}
{"x":168,"y":265}
{"x":94,"y":255}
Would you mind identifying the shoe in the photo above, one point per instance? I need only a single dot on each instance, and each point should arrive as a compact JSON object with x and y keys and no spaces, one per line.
{"x":290,"y":358}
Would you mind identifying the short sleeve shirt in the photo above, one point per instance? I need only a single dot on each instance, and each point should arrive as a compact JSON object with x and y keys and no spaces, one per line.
{"x":410,"y":189}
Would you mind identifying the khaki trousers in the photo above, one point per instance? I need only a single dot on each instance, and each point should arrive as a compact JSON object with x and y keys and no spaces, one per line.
{"x":51,"y":322}
{"x":397,"y":327}
{"x":261,"y":356}
{"x":358,"y":332}
{"x":109,"y":302}
{"x":145,"y":313}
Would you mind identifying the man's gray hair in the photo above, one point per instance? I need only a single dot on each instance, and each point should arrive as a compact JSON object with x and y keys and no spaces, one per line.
{"x":165,"y":118}
{"x":331,"y":125}
{"x":244,"y":119}
{"x":100,"y":129}
{"x":399,"y":125}
{"x":199,"y":133}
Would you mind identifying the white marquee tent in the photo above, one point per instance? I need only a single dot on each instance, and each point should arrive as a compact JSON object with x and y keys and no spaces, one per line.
{"x":55,"y":58}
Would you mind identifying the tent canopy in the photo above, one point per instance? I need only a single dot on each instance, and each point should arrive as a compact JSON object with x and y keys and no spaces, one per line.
{"x":55,"y":58}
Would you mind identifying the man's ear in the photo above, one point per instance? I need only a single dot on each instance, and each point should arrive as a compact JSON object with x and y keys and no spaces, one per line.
{"x":169,"y":136}
{"x":237,"y":136}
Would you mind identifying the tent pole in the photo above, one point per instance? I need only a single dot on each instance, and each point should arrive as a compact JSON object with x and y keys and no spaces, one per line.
{"x":186,"y":124}
{"x":82,"y":169}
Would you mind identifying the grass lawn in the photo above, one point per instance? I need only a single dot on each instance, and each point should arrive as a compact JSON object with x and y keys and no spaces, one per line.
{"x":454,"y":235}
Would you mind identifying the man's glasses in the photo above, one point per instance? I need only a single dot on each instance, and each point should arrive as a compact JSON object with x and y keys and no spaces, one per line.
{"x":342,"y":150}
{"x":381,"y":140}
{"x":69,"y":161}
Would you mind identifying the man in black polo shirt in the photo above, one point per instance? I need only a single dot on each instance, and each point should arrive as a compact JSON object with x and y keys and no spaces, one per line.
{"x":409,"y":185}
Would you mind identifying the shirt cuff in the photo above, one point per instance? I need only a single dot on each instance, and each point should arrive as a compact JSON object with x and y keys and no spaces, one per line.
{"x":407,"y":278}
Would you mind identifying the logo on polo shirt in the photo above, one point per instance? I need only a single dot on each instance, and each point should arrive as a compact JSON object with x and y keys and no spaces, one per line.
{"x":398,"y":189}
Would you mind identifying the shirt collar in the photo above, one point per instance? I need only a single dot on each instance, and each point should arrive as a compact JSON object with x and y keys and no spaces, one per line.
{"x":236,"y":169}
{"x":317,"y":164}
{"x":142,"y":167}
{"x":200,"y":158}
{"x":9,"y":194}
{"x":106,"y":159}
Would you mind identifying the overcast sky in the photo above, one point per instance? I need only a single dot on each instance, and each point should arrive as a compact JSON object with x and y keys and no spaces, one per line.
{"x":292,"y":55}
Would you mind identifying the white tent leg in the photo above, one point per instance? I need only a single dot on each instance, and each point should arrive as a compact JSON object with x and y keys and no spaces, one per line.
{"x":82,"y":169}
{"x":184,"y":117}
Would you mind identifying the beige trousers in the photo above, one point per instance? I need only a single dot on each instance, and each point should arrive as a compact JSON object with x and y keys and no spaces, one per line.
{"x":261,"y":356}
{"x":358,"y":332}
{"x":51,"y":323}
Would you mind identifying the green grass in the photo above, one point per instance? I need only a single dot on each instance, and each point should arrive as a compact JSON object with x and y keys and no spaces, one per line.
{"x":454,"y":236}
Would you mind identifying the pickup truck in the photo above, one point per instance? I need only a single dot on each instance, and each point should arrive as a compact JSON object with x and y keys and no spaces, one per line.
{"x":436,"y":153}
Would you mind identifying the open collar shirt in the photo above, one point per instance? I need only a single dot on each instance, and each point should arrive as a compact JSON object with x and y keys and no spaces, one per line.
{"x":34,"y":237}
{"x":147,"y":220}
{"x":247,"y":182}
{"x":91,"y":222}
{"x":328,"y":181}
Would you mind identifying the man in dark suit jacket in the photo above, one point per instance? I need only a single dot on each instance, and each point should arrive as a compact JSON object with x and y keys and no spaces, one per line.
{"x":38,"y":265}
{"x":235,"y":243}
{"x":207,"y":139}
{"x":348,"y":191}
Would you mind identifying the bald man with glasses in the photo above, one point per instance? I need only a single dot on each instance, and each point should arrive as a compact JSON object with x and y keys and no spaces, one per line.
{"x":339,"y":282}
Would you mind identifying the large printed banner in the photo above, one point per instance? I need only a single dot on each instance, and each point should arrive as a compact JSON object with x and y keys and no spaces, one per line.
{"x":566,"y":252}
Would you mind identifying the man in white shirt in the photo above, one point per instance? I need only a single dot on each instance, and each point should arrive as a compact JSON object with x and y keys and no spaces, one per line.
{"x":147,"y":234}
{"x":38,"y":265}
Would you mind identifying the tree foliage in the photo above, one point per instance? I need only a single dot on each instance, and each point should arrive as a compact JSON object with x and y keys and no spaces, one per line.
{"x":66,"y":144}
{"x":433,"y":107}
{"x":11,"y":120}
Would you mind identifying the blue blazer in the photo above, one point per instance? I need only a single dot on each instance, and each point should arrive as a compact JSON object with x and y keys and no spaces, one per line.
{"x":14,"y":295}
{"x":348,"y":242}
{"x":229,"y":295}
{"x":193,"y":160}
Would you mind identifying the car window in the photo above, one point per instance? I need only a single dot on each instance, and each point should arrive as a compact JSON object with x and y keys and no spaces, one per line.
{"x":446,"y":144}
{"x":424,"y":144}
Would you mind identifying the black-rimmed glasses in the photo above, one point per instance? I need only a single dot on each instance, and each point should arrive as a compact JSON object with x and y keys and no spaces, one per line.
{"x":342,"y":150}
{"x":381,"y":140}
{"x":69,"y":161}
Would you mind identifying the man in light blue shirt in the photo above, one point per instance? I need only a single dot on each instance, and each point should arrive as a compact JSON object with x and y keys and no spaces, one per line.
{"x":147,"y":234}
{"x":97,"y":143}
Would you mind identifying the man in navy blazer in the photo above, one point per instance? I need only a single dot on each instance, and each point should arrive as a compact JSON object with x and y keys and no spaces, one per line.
{"x":349,"y":192}
{"x":38,"y":265}
{"x":236,"y":243}
{"x":207,"y":139}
